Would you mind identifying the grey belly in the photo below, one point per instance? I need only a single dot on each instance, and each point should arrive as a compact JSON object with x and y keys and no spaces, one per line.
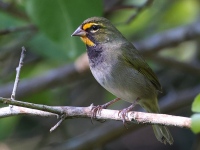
{"x":125,"y":83}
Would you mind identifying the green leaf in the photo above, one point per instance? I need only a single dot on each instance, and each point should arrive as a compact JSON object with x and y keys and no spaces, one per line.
{"x":43,"y":46}
{"x":196,"y":104}
{"x":195,"y":127}
{"x":59,"y":18}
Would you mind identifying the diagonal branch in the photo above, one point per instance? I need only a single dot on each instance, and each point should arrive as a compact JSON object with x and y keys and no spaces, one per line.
{"x":168,"y":38}
{"x":186,"y":67}
{"x":18,"y":69}
{"x":17,"y":29}
{"x":12,"y":10}
{"x":139,"y":10}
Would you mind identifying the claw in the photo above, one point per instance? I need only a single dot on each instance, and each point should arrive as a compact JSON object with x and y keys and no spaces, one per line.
{"x":97,"y":109}
{"x":124,"y":113}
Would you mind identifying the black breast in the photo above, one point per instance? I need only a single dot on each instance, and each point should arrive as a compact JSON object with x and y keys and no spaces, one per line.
{"x":95,"y":55}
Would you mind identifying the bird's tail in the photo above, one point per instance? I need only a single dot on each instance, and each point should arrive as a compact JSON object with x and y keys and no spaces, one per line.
{"x":161,"y":132}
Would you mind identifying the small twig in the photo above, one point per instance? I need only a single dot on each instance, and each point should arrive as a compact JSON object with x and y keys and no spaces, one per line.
{"x":32,"y":105}
{"x":138,"y":10}
{"x":59,"y":123}
{"x":17,"y":29}
{"x":18,"y":69}
{"x":13,"y":10}
{"x":107,"y":11}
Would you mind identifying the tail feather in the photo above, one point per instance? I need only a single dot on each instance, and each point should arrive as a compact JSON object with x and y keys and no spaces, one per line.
{"x":162,"y":134}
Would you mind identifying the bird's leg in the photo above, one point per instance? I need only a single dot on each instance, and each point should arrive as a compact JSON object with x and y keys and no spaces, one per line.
{"x":97,"y":109}
{"x":125,"y":111}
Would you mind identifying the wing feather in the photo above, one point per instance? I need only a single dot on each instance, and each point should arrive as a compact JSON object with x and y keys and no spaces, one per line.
{"x":134,"y":59}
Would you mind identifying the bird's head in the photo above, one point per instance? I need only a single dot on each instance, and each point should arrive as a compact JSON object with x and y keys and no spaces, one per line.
{"x":96,"y":30}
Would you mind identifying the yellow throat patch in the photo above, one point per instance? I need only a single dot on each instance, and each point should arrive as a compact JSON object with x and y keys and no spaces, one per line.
{"x":87,"y":41}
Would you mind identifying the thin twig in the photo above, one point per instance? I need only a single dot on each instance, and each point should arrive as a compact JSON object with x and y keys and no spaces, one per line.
{"x":139,"y":9}
{"x":18,"y":69}
{"x":13,"y":10}
{"x":59,"y":123}
{"x":31,"y":105}
{"x":17,"y":29}
{"x":109,"y":10}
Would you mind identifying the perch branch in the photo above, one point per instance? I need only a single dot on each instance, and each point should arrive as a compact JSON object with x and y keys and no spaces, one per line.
{"x":111,"y":131}
{"x":16,"y":110}
{"x":83,"y":112}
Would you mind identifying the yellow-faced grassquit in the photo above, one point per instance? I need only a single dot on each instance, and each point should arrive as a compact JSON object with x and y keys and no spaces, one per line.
{"x":119,"y":68}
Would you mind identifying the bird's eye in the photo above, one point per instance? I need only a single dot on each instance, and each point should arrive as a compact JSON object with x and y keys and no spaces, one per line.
{"x":94,"y":28}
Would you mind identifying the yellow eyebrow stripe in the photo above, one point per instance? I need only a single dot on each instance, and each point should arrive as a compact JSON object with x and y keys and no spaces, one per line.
{"x":88,"y":25}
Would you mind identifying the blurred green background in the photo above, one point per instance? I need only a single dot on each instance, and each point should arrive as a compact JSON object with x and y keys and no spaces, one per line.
{"x":44,"y":27}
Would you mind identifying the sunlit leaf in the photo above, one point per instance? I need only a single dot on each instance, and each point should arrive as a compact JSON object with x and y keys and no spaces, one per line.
{"x":196,"y":104}
{"x":58,"y":19}
{"x":195,"y":127}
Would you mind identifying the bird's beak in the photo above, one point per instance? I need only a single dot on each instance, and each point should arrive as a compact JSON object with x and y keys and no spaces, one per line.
{"x":79,"y":32}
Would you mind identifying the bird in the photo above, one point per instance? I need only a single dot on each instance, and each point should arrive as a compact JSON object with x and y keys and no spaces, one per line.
{"x":119,"y":67}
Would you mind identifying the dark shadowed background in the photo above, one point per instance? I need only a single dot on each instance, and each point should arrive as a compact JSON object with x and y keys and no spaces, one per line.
{"x":166,"y":32}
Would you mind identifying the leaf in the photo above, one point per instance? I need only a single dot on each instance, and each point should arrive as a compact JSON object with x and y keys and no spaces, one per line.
{"x":195,"y":126}
{"x":59,"y":18}
{"x":196,"y":104}
{"x":43,"y":46}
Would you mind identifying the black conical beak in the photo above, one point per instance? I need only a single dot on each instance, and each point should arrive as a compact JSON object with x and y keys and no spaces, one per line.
{"x":79,"y":32}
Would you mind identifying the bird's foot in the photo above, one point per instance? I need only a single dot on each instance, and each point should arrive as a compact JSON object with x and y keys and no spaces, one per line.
{"x":97,"y":109}
{"x":124,"y":112}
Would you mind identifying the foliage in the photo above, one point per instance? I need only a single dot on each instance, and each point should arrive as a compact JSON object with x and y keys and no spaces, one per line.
{"x":50,"y":45}
{"x":196,"y":117}
{"x":58,"y":21}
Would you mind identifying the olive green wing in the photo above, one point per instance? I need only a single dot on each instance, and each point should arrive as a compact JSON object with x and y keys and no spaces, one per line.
{"x":134,"y":59}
